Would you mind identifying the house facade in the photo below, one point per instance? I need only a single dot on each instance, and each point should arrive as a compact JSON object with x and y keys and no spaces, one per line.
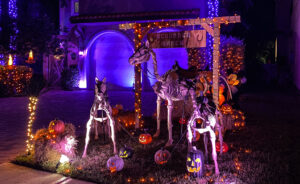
{"x":100,"y":49}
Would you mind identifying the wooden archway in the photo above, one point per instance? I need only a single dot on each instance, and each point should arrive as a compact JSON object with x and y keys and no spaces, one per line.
{"x":211,"y":25}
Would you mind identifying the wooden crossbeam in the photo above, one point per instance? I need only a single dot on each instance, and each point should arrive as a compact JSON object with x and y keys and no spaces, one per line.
{"x":188,"y":22}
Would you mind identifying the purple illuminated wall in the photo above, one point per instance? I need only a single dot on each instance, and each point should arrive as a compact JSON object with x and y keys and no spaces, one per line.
{"x":107,"y":56}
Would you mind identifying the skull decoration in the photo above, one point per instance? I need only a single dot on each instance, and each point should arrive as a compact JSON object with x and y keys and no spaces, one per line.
{"x":195,"y":163}
{"x":145,"y":138}
{"x":126,"y":152}
{"x":162,"y":156}
{"x":115,"y":164}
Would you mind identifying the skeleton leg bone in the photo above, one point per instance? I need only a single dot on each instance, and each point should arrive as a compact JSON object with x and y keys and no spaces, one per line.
{"x":112,"y":130}
{"x":158,"y":102}
{"x":87,"y":136}
{"x":170,"y":108}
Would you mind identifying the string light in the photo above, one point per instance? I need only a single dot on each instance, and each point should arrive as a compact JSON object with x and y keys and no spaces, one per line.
{"x":31,"y":109}
{"x":213,"y":11}
{"x":15,"y":78}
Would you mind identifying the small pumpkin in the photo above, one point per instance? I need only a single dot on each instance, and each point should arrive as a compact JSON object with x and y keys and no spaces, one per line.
{"x":226,"y":109}
{"x":115,"y":164}
{"x":182,"y":121}
{"x":239,"y":123}
{"x":126,"y":152}
{"x":224,"y":147}
{"x":145,"y":138}
{"x":195,"y":163}
{"x":162,"y":156}
{"x":56,"y":126}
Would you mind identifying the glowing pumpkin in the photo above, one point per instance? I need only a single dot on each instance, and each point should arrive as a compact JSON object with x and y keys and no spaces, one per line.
{"x":195,"y":163}
{"x":145,"y":138}
{"x":162,"y":156}
{"x":224,"y":147}
{"x":115,"y":164}
{"x":182,"y":121}
{"x":226,"y":109}
{"x":221,"y":96}
{"x":56,"y":127}
{"x":126,"y":152}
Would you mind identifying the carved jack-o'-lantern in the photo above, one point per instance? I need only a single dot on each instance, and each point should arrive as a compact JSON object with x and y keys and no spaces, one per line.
{"x":195,"y":163}
{"x":162,"y":156}
{"x":224,"y":147}
{"x":226,"y":109}
{"x":126,"y":152}
{"x":115,"y":164}
{"x":145,"y":138}
{"x":56,"y":127}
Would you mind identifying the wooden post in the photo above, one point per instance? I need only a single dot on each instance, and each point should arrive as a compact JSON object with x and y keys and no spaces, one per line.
{"x":137,"y":82}
{"x":216,"y":65}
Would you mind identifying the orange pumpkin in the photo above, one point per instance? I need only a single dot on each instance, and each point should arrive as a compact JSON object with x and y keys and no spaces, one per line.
{"x":224,"y":147}
{"x":145,"y":138}
{"x":221,"y":96}
{"x":56,"y":127}
{"x":226,"y":109}
{"x":162,"y":156}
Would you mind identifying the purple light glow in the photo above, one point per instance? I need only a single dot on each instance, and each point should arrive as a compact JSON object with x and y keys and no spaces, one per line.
{"x":107,"y":56}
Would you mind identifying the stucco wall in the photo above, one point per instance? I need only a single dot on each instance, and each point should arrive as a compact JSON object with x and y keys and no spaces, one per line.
{"x":119,"y":6}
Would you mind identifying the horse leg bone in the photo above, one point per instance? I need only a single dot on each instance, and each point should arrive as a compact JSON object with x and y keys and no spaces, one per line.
{"x":96,"y":129}
{"x":170,"y":108}
{"x":112,"y":131}
{"x":158,"y":102}
{"x":214,"y":152}
{"x":87,"y":136}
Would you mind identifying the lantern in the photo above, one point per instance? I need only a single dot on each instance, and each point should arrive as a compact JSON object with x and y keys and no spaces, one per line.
{"x":56,"y":127}
{"x":10,"y":60}
{"x":126,"y":152}
{"x":30,"y":58}
{"x":145,"y":138}
{"x":115,"y":164}
{"x":195,"y":163}
{"x":162,"y":156}
{"x":224,"y":147}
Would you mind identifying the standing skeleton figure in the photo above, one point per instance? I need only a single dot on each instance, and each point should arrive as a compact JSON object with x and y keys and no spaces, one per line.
{"x":208,"y":126}
{"x":100,"y":103}
{"x":172,"y":86}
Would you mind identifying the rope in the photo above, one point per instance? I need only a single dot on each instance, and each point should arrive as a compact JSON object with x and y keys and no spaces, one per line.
{"x":178,"y":141}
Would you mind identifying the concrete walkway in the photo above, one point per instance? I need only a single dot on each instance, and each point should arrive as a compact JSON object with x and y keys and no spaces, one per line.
{"x":15,"y":174}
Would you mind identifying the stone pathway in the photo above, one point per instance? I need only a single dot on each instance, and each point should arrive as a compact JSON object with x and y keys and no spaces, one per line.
{"x":11,"y":173}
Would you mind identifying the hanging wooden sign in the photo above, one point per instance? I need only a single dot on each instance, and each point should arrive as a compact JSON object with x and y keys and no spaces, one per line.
{"x":186,"y":39}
